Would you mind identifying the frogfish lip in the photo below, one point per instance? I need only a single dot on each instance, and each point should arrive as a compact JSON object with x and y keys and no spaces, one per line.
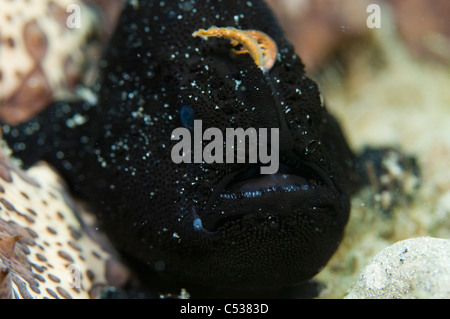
{"x":293,"y":189}
{"x":252,"y":184}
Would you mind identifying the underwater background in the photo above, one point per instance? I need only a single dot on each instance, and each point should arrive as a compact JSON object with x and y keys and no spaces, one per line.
{"x":387,"y":86}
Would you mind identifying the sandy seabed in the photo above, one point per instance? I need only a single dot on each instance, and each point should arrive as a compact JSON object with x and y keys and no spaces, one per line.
{"x":404,"y":104}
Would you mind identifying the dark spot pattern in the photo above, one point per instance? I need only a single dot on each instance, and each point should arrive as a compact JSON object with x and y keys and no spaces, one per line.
{"x":52,"y":231}
{"x":35,"y":243}
{"x":65,"y":256}
{"x":54,"y":278}
{"x":41,"y":257}
{"x":63,"y":293}
{"x":52,"y":293}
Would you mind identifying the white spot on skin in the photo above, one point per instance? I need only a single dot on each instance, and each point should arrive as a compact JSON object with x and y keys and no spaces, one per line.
{"x":87,"y":95}
{"x":238,"y":83}
{"x":76,"y":120}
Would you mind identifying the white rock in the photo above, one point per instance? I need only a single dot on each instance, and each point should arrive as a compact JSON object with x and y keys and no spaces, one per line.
{"x":413,"y":268}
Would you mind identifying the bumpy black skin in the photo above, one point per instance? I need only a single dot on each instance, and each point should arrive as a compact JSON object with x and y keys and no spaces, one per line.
{"x":119,"y":158}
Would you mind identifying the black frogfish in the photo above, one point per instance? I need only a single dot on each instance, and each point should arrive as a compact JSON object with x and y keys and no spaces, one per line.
{"x":217,"y":224}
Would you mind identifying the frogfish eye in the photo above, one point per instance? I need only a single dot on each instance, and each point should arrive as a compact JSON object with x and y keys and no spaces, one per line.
{"x":187,"y":116}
